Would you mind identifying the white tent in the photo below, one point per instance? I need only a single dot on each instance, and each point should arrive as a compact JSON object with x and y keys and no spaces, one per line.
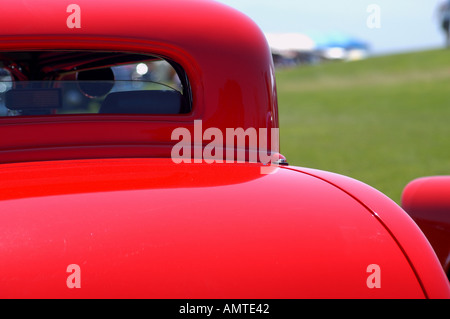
{"x":289,"y":43}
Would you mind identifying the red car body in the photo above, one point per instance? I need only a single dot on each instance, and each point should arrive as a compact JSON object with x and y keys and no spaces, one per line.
{"x":99,"y":196}
{"x":427,"y":201}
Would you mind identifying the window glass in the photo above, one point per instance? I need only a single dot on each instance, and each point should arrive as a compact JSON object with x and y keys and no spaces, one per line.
{"x":5,"y":85}
{"x":90,"y":83}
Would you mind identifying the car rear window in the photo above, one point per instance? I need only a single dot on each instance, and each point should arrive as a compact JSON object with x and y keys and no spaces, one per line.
{"x":66,"y":82}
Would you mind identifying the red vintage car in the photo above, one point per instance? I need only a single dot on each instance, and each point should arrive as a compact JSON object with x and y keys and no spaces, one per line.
{"x":139,"y":159}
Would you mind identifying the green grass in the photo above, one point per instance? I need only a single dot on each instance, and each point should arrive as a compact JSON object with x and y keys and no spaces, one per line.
{"x":384,"y":120}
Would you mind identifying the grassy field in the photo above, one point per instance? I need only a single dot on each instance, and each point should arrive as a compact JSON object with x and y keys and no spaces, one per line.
{"x":384,"y":120}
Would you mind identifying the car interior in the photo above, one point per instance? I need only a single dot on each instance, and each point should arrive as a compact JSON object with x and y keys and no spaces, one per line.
{"x":46,"y":83}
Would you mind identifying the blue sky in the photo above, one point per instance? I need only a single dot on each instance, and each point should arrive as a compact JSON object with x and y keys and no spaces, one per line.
{"x":405,"y":25}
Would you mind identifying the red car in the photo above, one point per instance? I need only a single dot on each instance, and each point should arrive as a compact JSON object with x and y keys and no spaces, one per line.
{"x":139,"y":159}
